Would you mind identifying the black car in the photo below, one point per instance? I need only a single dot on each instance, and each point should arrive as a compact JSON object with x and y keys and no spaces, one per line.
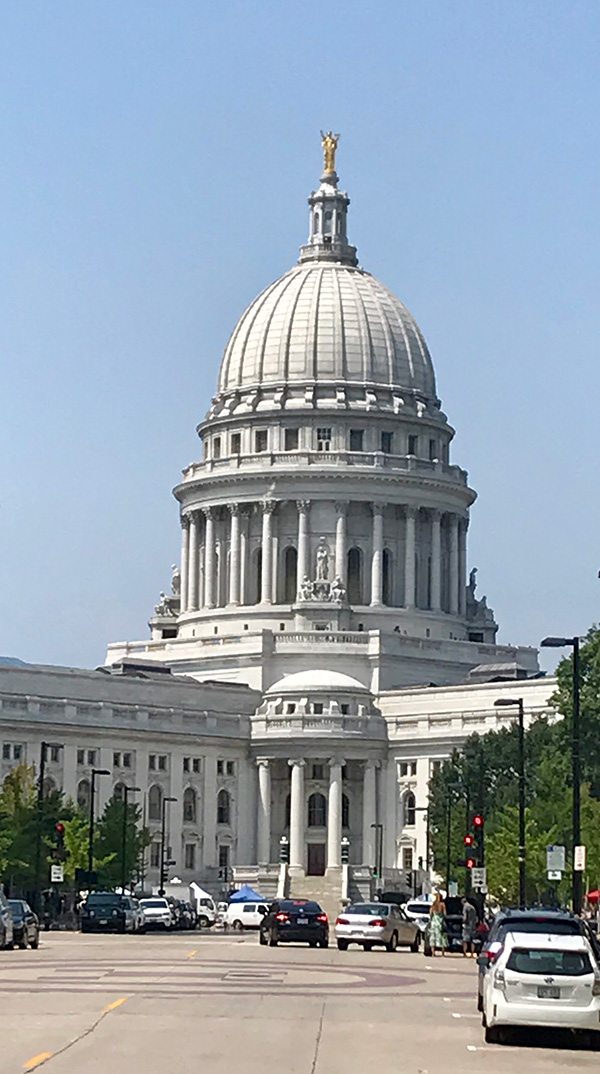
{"x":453,"y":921}
{"x":294,"y":921}
{"x":537,"y":919}
{"x":26,"y":925}
{"x":104,"y":911}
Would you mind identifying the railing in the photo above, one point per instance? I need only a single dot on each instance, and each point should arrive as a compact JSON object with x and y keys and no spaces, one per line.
{"x":347,"y":637}
{"x":294,"y":459}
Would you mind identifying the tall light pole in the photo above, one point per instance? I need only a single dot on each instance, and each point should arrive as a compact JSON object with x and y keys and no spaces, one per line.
{"x":95,"y":772}
{"x":163,"y":862}
{"x":518,"y":702}
{"x":126,"y":791}
{"x":44,"y":747}
{"x":573,"y":643}
{"x":379,"y":851}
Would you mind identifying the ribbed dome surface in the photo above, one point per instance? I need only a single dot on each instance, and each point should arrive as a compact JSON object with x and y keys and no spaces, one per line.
{"x":325,"y":322}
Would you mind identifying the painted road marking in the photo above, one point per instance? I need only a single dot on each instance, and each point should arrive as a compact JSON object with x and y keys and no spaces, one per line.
{"x":471,"y":1048}
{"x":117,"y":1003}
{"x":37,"y":1059}
{"x":192,"y":953}
{"x":454,"y":1015}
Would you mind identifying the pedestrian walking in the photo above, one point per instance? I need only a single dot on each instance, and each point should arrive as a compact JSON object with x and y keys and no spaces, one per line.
{"x":437,"y":935}
{"x":469,"y":927}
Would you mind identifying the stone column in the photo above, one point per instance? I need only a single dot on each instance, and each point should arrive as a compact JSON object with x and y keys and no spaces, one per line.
{"x":303,"y":564}
{"x":341,"y":541}
{"x":267,"y":567}
{"x":244,"y":526}
{"x":263,"y":826}
{"x":209,"y":558}
{"x":209,"y":811}
{"x":234,"y":554}
{"x":297,"y":814}
{"x":436,"y":560}
{"x":454,"y":565}
{"x":462,"y":566}
{"x":334,"y":815}
{"x":194,"y":564}
{"x":185,"y":560}
{"x":377,"y":556}
{"x":409,"y":557}
{"x":369,"y":813}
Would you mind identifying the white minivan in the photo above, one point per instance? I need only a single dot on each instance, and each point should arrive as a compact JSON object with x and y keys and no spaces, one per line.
{"x":244,"y":915}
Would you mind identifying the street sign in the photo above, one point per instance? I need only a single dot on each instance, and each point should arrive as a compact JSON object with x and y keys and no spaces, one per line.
{"x":479,"y":877}
{"x":57,"y":874}
{"x":483,"y":889}
{"x":554,"y":874}
{"x":452,"y":889}
{"x":579,"y":859}
{"x":555,"y":859}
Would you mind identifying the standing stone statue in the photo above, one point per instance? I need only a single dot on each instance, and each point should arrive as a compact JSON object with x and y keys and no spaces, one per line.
{"x":176,"y":580}
{"x":329,"y":141}
{"x":322,"y":561}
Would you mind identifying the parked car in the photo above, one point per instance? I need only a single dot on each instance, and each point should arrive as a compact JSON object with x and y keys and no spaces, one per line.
{"x":535,"y":920}
{"x":541,"y":979}
{"x":157,"y":913}
{"x":26,"y":925}
{"x":107,"y":911}
{"x":6,"y":922}
{"x":245,"y":915}
{"x":452,"y":927}
{"x":294,"y":921}
{"x":371,"y":924}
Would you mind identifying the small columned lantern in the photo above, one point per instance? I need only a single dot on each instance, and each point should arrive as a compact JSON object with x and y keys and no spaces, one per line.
{"x":345,"y":850}
{"x":284,"y":850}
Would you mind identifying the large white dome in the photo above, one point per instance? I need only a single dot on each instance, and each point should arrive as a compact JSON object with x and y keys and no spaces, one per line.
{"x":327,"y":323}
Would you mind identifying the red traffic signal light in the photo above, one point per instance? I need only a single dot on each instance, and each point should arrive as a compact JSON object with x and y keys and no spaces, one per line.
{"x":470,"y":863}
{"x":468,"y":840}
{"x":478,"y":820}
{"x":60,"y":828}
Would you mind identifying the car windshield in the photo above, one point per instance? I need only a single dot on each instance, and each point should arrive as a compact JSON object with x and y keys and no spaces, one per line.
{"x":17,"y":907}
{"x":421,"y":908}
{"x":540,"y":924}
{"x":299,"y":906}
{"x":551,"y":963}
{"x":155,"y":904}
{"x":103,"y":898}
{"x":379,"y":908}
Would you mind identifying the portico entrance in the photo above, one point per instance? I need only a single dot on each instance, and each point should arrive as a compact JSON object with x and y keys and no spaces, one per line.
{"x":316,"y":859}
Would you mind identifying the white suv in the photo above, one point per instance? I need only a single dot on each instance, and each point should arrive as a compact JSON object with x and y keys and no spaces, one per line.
{"x":157,"y":913}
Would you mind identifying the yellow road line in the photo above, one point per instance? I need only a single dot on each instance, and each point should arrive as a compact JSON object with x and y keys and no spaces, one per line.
{"x":37,"y":1059}
{"x":192,"y":953}
{"x":117,"y":1003}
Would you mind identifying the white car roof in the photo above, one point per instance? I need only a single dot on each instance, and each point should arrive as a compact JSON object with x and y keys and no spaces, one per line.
{"x":546,"y":940}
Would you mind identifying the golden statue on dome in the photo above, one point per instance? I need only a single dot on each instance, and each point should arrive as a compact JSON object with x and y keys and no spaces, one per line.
{"x":329,"y":141}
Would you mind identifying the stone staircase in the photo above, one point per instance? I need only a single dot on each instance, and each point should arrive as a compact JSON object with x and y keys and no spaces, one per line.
{"x":326,"y":890}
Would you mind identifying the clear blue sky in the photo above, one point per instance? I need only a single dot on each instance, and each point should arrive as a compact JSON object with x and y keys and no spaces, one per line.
{"x":155,"y":159}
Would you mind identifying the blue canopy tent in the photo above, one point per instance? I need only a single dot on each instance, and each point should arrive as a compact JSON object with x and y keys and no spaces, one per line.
{"x":246,"y":894}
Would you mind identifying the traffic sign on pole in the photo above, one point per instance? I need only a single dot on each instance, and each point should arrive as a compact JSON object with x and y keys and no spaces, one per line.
{"x":579,"y":859}
{"x":57,"y":874}
{"x":555,"y":859}
{"x":479,"y":877}
{"x":554,"y":874}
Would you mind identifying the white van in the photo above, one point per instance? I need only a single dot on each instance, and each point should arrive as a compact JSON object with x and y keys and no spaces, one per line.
{"x":244,"y":915}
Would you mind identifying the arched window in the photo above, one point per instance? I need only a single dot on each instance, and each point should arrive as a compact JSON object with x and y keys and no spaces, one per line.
{"x":119,"y":791}
{"x":317,"y":811}
{"x":83,"y":794}
{"x":155,"y":803}
{"x":290,"y":567}
{"x":223,"y":808}
{"x":345,"y":811}
{"x":49,"y":786}
{"x":410,"y":811}
{"x":328,"y":222}
{"x":257,"y":577}
{"x":354,"y":576}
{"x":189,"y":805}
{"x":386,"y":577}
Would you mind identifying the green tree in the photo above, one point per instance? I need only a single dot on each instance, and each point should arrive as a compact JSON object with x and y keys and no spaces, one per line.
{"x":109,"y":843}
{"x":19,"y":827}
{"x":589,"y":704}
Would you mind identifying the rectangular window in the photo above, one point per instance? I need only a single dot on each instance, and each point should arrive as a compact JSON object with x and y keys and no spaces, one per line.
{"x":291,"y":439}
{"x":223,"y":856}
{"x":230,"y":768}
{"x":116,"y":760}
{"x":217,"y":447}
{"x":162,"y":763}
{"x":236,"y":443}
{"x":92,"y":757}
{"x":155,"y":855}
{"x":344,"y":709}
{"x":80,"y":756}
{"x":261,"y":440}
{"x":219,"y":768}
{"x":196,"y":764}
{"x":6,"y":751}
{"x":17,"y":753}
{"x":413,"y":443}
{"x":55,"y":754}
{"x":152,"y":762}
{"x":186,"y":764}
{"x":407,"y":858}
{"x":435,"y":767}
{"x":290,"y":707}
{"x":433,"y":451}
{"x":126,"y":760}
{"x":317,"y":771}
{"x":386,"y":443}
{"x":356,"y":439}
{"x":190,"y":855}
{"x":318,"y":708}
{"x":324,"y":439}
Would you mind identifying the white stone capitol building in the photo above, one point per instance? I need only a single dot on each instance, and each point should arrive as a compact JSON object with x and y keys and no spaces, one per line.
{"x":324,"y":612}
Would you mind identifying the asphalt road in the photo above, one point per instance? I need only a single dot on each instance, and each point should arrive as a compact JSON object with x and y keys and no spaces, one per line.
{"x":194,"y":1003}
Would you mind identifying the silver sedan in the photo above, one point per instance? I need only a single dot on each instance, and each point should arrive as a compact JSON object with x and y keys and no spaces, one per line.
{"x":376,"y":923}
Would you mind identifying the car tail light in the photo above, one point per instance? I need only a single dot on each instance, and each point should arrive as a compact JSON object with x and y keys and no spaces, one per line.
{"x":596,"y":986}
{"x":500,"y":980}
{"x":282,"y":917}
{"x":342,"y":921}
{"x":378,"y":922}
{"x":322,"y":917}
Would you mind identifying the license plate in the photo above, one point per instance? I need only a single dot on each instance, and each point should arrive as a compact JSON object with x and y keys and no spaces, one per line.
{"x":104,"y":921}
{"x":548,"y":992}
{"x":303,"y":921}
{"x":356,"y":932}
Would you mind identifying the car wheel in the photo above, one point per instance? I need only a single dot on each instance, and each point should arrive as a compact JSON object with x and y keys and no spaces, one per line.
{"x":494,"y":1034}
{"x":238,"y":927}
{"x":416,"y":944}
{"x":392,"y":943}
{"x":262,"y":939}
{"x":22,"y":944}
{"x":342,"y":945}
{"x":427,"y":950}
{"x":480,"y":1002}
{"x":203,"y":922}
{"x":272,"y":939}
{"x":324,"y":943}
{"x":312,"y":943}
{"x":367,"y":947}
{"x":35,"y":943}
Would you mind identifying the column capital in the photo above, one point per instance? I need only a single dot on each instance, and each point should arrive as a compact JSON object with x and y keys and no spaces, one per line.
{"x":410,"y":512}
{"x":377,"y":509}
{"x":262,"y":762}
{"x":341,"y":507}
{"x":435,"y":514}
{"x":303,"y":506}
{"x":371,"y":764}
{"x":268,"y":506}
{"x":234,"y":508}
{"x":185,"y":521}
{"x":297,"y":762}
{"x":209,"y":513}
{"x":341,"y":761}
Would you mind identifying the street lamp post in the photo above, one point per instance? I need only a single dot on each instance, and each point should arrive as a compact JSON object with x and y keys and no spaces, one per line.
{"x":573,"y":643}
{"x":163,"y":860}
{"x":518,"y":702}
{"x":95,"y":772}
{"x":44,"y":747}
{"x":126,"y":791}
{"x":378,"y":850}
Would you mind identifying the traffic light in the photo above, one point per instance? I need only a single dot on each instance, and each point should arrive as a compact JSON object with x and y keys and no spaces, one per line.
{"x":468,"y":840}
{"x":478,"y":822}
{"x":58,"y":852}
{"x":470,"y":863}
